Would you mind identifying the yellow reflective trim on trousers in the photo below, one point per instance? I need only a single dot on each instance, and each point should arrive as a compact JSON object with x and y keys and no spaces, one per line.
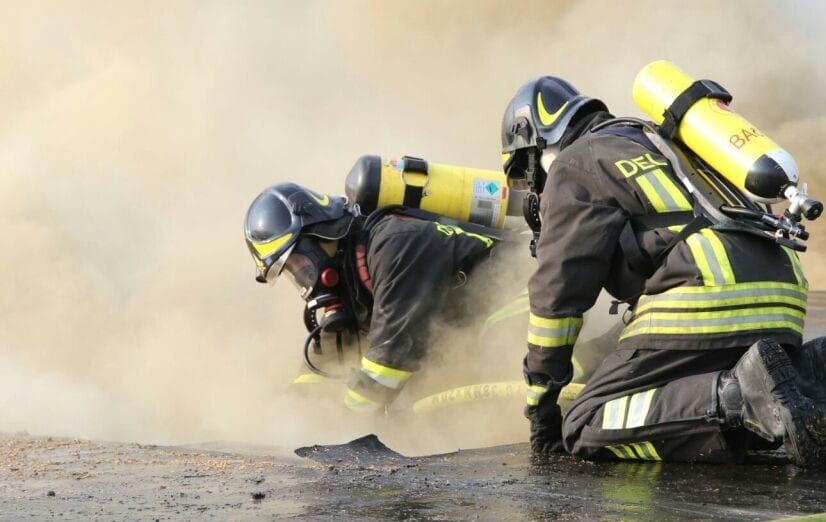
{"x":384,"y":375}
{"x":711,"y":258}
{"x":623,"y":452}
{"x":662,"y":192}
{"x":638,"y":408}
{"x":718,"y":322}
{"x":616,"y":451}
{"x":359,"y":403}
{"x":535,"y":392}
{"x":613,"y":413}
{"x":628,"y":411}
{"x":797,"y":268}
{"x":641,"y":451}
{"x":553,"y":333}
{"x":646,"y":451}
{"x":699,"y":297}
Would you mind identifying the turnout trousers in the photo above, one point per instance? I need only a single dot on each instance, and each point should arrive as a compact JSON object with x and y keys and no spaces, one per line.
{"x":655,"y":405}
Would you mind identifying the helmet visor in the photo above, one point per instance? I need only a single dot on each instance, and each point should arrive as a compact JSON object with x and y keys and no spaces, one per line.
{"x":515,"y":170}
{"x":302,"y":272}
{"x":277,"y":267}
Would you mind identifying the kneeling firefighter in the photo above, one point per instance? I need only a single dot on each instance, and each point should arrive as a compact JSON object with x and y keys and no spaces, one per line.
{"x":389,"y":273}
{"x":711,"y":361}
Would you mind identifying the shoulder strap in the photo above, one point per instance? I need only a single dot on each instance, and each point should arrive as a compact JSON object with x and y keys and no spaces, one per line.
{"x":639,"y":261}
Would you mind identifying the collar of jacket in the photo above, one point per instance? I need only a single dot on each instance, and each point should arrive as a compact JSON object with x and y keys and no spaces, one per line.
{"x":582,"y":126}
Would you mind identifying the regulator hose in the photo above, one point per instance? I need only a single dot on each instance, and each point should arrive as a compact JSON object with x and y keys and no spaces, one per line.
{"x":308,"y":363}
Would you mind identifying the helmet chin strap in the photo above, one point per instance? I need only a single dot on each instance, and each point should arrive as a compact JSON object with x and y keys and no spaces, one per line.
{"x":548,"y":156}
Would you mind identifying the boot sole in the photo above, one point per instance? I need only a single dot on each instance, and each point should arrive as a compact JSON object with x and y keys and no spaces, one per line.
{"x":803,"y":426}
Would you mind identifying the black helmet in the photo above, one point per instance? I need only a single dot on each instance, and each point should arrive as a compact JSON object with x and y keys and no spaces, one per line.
{"x":539,"y":114}
{"x":279,"y":215}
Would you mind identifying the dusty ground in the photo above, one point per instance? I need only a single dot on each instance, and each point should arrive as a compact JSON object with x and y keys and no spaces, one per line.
{"x":45,"y":478}
{"x":74,"y":479}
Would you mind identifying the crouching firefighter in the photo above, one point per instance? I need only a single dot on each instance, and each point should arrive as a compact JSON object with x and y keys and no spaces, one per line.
{"x":389,"y":273}
{"x":710,"y":362}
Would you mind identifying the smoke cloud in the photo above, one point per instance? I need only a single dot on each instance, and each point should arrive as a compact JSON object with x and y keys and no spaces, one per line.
{"x":135,"y":134}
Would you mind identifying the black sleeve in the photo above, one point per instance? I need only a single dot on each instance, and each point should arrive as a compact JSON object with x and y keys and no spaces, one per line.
{"x":580,"y":230}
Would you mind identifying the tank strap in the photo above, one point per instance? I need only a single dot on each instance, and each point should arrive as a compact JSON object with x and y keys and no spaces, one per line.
{"x":695,"y":92}
{"x":413,"y":193}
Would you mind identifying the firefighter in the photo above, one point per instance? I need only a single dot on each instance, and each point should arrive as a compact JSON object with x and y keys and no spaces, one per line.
{"x":389,"y":274}
{"x":702,"y":370}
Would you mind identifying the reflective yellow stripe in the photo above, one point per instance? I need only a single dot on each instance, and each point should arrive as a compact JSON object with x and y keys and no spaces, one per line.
{"x":641,"y":451}
{"x":266,"y":248}
{"x":711,"y":258}
{"x":359,"y":403}
{"x":796,"y":267}
{"x":624,"y":452}
{"x":722,"y":321}
{"x":662,"y":192}
{"x":720,"y":255}
{"x":638,"y":408}
{"x":553,"y":333}
{"x":384,"y":375}
{"x":546,"y":117}
{"x":622,"y":413}
{"x":613,"y":413}
{"x":505,"y":157}
{"x":679,"y":199}
{"x":449,"y":230}
{"x":535,"y":393}
{"x":616,"y":451}
{"x":699,"y":297}
{"x":645,"y":450}
{"x":696,"y":243}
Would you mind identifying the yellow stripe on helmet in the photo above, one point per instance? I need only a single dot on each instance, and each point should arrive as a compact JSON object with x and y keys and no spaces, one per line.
{"x":266,"y":248}
{"x":546,"y":117}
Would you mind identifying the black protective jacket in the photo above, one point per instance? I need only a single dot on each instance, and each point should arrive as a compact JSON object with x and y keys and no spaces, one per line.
{"x":715,"y":290}
{"x":413,"y":265}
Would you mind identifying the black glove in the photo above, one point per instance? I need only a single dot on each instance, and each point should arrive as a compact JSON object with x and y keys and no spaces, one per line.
{"x":546,"y":427}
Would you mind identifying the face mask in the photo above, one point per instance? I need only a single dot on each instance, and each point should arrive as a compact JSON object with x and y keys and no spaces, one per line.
{"x":316,"y":276}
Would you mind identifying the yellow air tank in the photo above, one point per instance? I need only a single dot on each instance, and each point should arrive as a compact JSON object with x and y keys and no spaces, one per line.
{"x":732,"y":146}
{"x":462,"y":193}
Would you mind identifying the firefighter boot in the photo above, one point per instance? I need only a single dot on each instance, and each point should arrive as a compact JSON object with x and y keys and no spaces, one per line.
{"x":810,"y":363}
{"x":760,"y":394}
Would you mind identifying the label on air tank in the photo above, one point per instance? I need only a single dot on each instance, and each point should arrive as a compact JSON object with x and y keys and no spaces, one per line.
{"x":485,"y":205}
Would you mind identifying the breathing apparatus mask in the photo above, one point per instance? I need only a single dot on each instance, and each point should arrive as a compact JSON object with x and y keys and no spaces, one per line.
{"x":290,"y":229}
{"x":315,"y":268}
{"x":316,"y":275}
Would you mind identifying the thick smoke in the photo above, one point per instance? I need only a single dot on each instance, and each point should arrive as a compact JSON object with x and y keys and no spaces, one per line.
{"x":134,"y":135}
